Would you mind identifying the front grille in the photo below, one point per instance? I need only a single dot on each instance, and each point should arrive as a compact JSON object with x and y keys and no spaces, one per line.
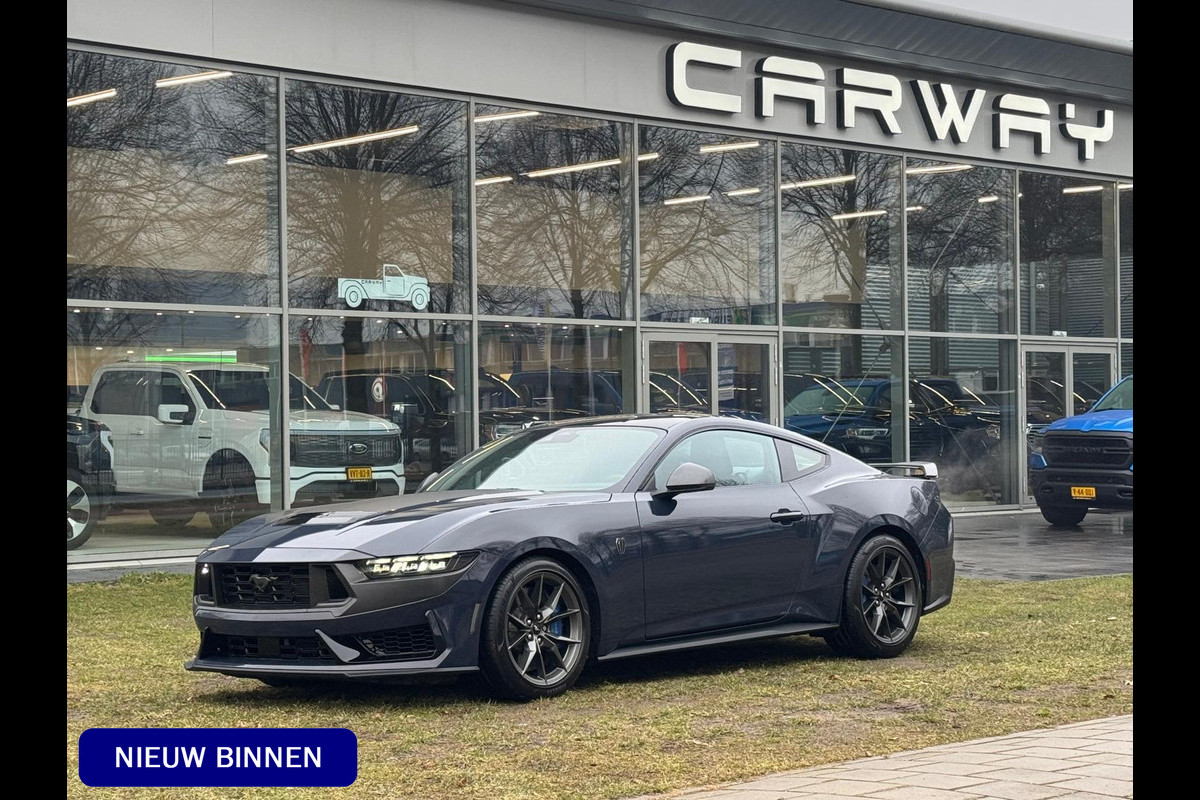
{"x":1089,"y":479}
{"x":283,"y":648}
{"x":1061,"y":450}
{"x":259,"y":585}
{"x":401,"y":644}
{"x":335,"y":449}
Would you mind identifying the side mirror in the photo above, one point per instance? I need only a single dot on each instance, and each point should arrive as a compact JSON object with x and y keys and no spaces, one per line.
{"x":430,"y":478}
{"x":689,"y":477}
{"x":172,"y":414}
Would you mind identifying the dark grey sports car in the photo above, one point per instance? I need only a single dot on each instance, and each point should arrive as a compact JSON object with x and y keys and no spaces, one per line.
{"x":595,"y":539}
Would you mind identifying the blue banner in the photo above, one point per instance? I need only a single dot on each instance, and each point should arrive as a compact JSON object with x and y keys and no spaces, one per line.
{"x":218,"y":757}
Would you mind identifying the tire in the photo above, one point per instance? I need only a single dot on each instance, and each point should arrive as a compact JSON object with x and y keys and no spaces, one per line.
{"x":354,"y":296}
{"x":420,"y":298}
{"x":1064,"y":516}
{"x":82,"y":510}
{"x":525,"y":656}
{"x":229,"y":488}
{"x":882,"y":602}
{"x":169,"y":516}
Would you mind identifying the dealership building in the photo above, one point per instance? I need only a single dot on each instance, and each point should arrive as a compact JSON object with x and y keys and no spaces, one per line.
{"x":363,"y":238}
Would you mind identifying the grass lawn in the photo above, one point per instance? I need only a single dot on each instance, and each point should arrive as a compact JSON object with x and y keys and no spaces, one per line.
{"x":1002,"y":657}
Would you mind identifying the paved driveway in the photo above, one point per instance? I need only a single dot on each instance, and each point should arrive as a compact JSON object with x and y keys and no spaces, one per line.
{"x":1022,"y":547}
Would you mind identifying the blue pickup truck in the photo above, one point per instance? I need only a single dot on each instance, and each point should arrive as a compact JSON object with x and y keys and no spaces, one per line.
{"x":1086,"y":461}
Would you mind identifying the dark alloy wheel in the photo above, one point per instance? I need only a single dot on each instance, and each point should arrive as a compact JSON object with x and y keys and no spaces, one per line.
{"x":1064,"y":516}
{"x":537,"y":631}
{"x":882,"y":603}
{"x":229,"y":486}
{"x":81,"y":511}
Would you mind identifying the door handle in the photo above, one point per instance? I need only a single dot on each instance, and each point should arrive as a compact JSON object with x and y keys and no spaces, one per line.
{"x":785,"y":517}
{"x":137,"y":433}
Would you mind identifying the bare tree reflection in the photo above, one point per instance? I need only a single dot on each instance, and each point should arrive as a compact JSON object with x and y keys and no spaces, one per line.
{"x":707,"y":227}
{"x":154,"y":212}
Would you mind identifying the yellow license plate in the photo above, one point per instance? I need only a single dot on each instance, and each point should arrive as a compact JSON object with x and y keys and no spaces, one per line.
{"x":1083,"y":492}
{"x":363,"y":473}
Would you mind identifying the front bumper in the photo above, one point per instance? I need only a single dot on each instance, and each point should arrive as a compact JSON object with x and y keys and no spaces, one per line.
{"x":327,"y":485}
{"x":435,"y":619}
{"x":1052,"y":486}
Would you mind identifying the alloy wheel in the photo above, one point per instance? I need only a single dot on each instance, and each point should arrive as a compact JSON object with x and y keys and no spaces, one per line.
{"x":889,"y":595}
{"x":544,"y":628}
{"x":79,"y":510}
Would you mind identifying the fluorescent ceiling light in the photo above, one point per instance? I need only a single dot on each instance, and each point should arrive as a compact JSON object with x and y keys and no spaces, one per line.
{"x":989,"y":198}
{"x":1123,"y":186}
{"x":721,"y":148}
{"x":678,"y":201}
{"x":246,"y":159}
{"x":647,"y":156}
{"x":1082,"y":189}
{"x":503,"y":115}
{"x":818,"y":182}
{"x":878,"y":212}
{"x":938,"y":168}
{"x":195,"y":77}
{"x":541,"y":173}
{"x":84,"y":99}
{"x":915,"y":208}
{"x":742,"y":192}
{"x":494,"y":179}
{"x":366,"y":137}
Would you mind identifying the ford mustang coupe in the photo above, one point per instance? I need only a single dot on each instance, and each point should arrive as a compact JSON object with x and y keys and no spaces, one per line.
{"x":583,"y":540}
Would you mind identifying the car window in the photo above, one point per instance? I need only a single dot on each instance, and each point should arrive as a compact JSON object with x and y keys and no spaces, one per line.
{"x":736,"y":458}
{"x":122,"y":392}
{"x":805,"y":457}
{"x":167,"y":389}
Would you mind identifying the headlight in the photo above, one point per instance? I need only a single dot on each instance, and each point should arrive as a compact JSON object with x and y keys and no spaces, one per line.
{"x":1035,"y":440}
{"x":867,"y":433}
{"x":393,"y":566}
{"x":264,"y":438}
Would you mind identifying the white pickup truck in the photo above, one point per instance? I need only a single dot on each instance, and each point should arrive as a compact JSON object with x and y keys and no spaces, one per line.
{"x":202,"y":431}
{"x":395,"y":285}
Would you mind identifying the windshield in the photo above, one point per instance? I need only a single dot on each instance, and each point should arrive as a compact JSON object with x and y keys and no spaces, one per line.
{"x":249,"y":390}
{"x":1119,"y":397}
{"x":552,"y":460}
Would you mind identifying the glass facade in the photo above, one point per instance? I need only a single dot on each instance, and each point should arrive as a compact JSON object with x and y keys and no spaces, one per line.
{"x":418,"y":275}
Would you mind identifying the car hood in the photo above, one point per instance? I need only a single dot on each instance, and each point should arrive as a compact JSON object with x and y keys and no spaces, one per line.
{"x":305,"y":421}
{"x":1119,"y":419}
{"x":386,"y":526}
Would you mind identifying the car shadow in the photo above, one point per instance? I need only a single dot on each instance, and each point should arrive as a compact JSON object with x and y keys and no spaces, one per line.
{"x":425,"y":692}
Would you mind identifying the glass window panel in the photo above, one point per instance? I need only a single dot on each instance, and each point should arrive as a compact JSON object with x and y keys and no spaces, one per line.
{"x":142,"y":421}
{"x":415,"y":375}
{"x":960,"y":252}
{"x":377,"y":200}
{"x":553,"y":208}
{"x":172,"y":183}
{"x":804,"y":457}
{"x":550,"y":371}
{"x":679,"y":377}
{"x":1126,"y":358}
{"x":841,"y":248}
{"x":964,"y":393}
{"x":1125,"y":195}
{"x":707,"y":227}
{"x":735,"y":458}
{"x":1067,"y":268}
{"x":844,"y":390}
{"x":1091,"y":376}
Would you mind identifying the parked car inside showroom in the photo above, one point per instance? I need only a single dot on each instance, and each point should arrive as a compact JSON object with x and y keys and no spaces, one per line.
{"x":190,"y":431}
{"x":90,"y":483}
{"x":584,"y":540}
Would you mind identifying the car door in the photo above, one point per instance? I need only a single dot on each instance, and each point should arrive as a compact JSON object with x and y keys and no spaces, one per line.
{"x":171,"y":445}
{"x":121,"y":401}
{"x":716,"y":559}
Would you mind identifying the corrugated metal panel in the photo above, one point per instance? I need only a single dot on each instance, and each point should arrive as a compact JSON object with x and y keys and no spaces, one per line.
{"x":884,"y":34}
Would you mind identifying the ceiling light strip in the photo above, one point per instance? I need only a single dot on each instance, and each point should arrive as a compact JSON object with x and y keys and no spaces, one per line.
{"x":818,"y":182}
{"x":195,"y":77}
{"x":349,"y":140}
{"x":84,"y":99}
{"x":503,"y":115}
{"x":876,"y":212}
{"x":678,"y":201}
{"x":721,"y":148}
{"x":938,"y":169}
{"x":542,"y":173}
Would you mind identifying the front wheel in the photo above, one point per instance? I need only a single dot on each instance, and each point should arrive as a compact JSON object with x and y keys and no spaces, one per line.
{"x":229,"y":485}
{"x":420,"y":298}
{"x":81,"y":511}
{"x":537,"y":631}
{"x":1064,"y":516}
{"x":882,"y":602}
{"x":354,"y":296}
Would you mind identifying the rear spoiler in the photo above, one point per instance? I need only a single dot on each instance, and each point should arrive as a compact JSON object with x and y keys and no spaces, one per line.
{"x":910,"y":469}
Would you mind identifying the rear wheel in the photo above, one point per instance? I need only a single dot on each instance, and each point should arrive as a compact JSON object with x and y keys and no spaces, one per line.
{"x":81,"y":510}
{"x":1064,"y":516}
{"x":882,"y":603}
{"x":229,"y":487}
{"x":537,"y":631}
{"x":168,"y":516}
{"x":420,"y":298}
{"x":354,"y":296}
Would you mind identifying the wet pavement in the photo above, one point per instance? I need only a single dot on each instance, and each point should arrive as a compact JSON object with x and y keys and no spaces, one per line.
{"x":1023,"y":547}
